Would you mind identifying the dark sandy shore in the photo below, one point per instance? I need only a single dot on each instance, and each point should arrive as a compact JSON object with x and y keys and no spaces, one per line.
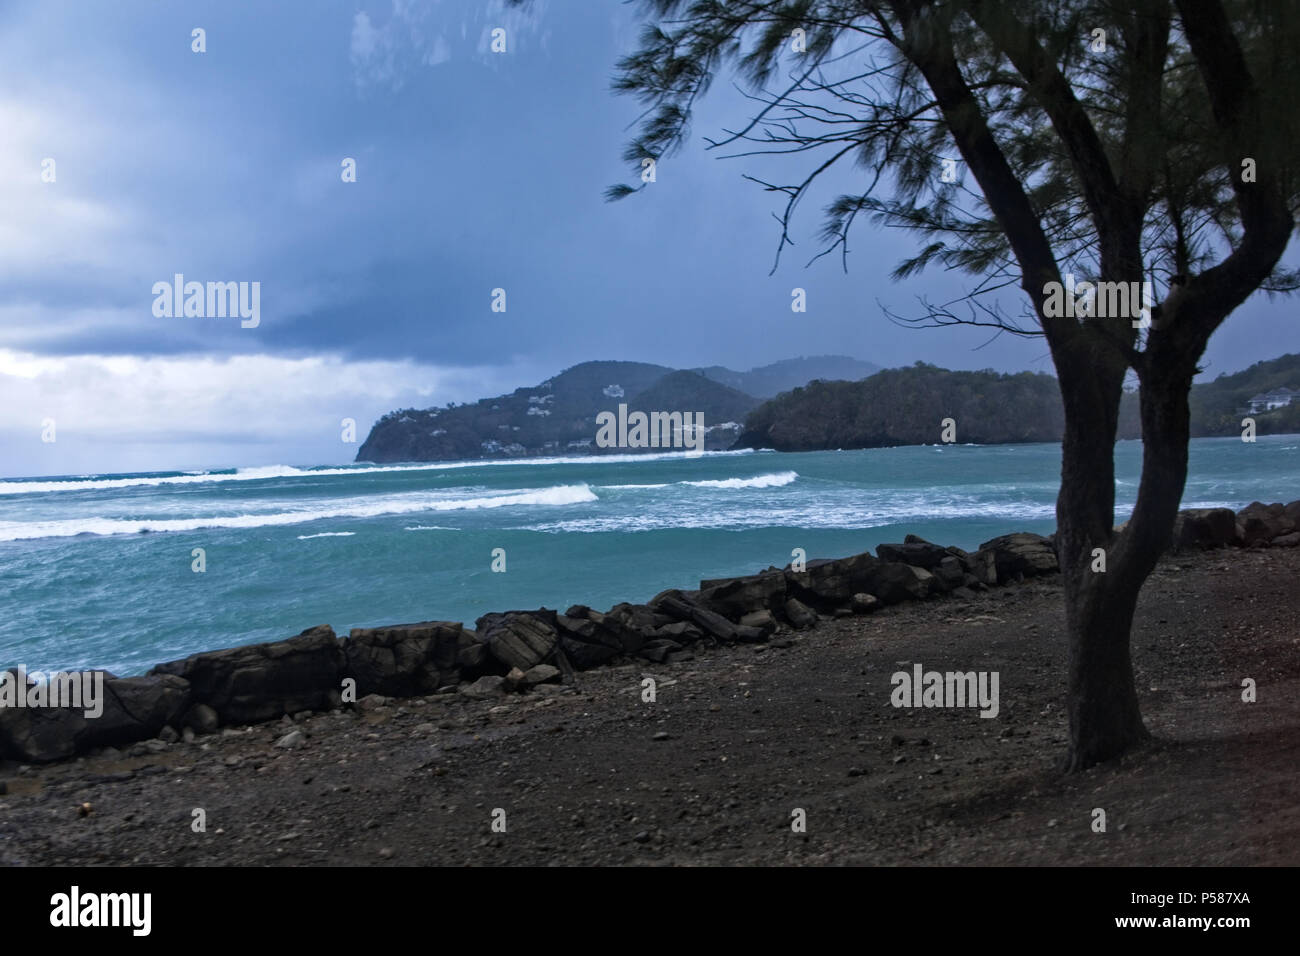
{"x":739,"y":738}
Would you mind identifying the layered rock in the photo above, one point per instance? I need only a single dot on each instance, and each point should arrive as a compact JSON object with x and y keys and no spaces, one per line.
{"x":265,"y":681}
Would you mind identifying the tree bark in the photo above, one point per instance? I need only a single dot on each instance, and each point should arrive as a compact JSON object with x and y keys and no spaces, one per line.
{"x":1101,"y":699}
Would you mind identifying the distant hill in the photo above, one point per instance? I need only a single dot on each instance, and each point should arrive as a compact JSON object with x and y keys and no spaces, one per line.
{"x":1218,"y":407}
{"x":556,"y":417}
{"x":770,"y":380}
{"x":904,"y":406}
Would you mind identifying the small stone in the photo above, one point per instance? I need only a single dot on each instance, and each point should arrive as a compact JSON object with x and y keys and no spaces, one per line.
{"x":292,"y":740}
{"x":662,"y":735}
{"x":857,"y":772}
{"x":187,"y":735}
{"x":864,"y":603}
{"x":386,"y":852}
{"x":484,"y":688}
{"x":541,"y":674}
{"x":1051,"y":822}
{"x":642,"y":837}
{"x":169,"y":735}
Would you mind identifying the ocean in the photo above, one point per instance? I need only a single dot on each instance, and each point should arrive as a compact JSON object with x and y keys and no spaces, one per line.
{"x":99,"y":570}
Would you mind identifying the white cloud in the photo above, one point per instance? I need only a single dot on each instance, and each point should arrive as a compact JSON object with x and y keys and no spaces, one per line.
{"x":132,"y":412}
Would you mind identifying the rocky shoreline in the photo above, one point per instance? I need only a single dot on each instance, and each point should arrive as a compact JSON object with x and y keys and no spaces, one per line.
{"x":533,"y":651}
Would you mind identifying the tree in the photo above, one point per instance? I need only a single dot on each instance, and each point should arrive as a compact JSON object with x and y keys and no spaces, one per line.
{"x":1128,"y":140}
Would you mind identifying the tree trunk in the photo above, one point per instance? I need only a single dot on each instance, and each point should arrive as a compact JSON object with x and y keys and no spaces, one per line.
{"x":1101,"y":696}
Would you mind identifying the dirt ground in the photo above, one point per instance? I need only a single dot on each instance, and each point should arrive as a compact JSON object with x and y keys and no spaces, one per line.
{"x":740,"y":738}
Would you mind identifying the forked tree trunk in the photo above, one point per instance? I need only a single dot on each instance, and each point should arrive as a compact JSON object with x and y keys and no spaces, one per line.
{"x":1105,"y":719}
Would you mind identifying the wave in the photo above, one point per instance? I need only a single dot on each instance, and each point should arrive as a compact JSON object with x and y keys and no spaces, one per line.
{"x":267,"y":472}
{"x":356,"y":508}
{"x":776,"y":480}
{"x":327,"y":534}
{"x":430,"y":527}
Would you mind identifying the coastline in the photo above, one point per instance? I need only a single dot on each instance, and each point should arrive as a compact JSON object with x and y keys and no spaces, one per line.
{"x":530,"y":651}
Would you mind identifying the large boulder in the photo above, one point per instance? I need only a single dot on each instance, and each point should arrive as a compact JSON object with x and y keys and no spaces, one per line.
{"x":828,"y":584}
{"x":1020,"y":553}
{"x":949,"y":574}
{"x":403,"y":660}
{"x":1258,"y":523}
{"x":520,"y":638}
{"x":682,"y":608}
{"x":585,"y":639}
{"x":1198,"y":529}
{"x":735,"y":597}
{"x":915,"y":551}
{"x":127,"y":709}
{"x":263,"y":681}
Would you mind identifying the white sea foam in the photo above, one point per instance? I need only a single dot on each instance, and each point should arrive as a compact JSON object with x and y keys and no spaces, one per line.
{"x":348,"y":508}
{"x":326,"y":534}
{"x":776,"y":480}
{"x":266,"y":472}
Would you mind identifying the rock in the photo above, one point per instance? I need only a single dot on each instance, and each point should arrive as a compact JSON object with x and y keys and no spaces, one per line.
{"x":202,"y":718}
{"x":187,"y":734}
{"x":489,"y":686}
{"x":262,"y":681}
{"x":735,"y":597}
{"x":169,"y":734}
{"x":1287,"y":540}
{"x":925,"y":582}
{"x":948,"y":574}
{"x":764,"y":620}
{"x":403,"y":660}
{"x":892,"y":583}
{"x":131,"y":709}
{"x":984,"y":568}
{"x":864,"y":603}
{"x":472,"y":656}
{"x":799,"y":614}
{"x":514,"y":680}
{"x":586,"y":642}
{"x":1261,"y":523}
{"x":1197,"y":529}
{"x":828,"y":584}
{"x":292,"y":740}
{"x":1020,"y":553}
{"x":658,"y":650}
{"x":541,"y":674}
{"x":708,"y":621}
{"x":914,"y":551}
{"x":683,"y":632}
{"x":750,"y":635}
{"x":520,"y":638}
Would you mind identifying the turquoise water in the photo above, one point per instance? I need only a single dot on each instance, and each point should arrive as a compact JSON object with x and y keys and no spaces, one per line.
{"x":96,"y":570}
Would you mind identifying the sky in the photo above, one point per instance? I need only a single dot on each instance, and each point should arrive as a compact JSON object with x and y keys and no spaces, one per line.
{"x":129,"y":157}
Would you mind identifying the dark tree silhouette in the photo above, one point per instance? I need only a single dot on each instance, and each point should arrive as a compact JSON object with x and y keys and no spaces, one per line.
{"x":1122,"y":140}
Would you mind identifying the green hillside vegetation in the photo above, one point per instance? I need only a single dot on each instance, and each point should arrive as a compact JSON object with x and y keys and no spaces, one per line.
{"x":905,"y":406}
{"x":1217,"y":406}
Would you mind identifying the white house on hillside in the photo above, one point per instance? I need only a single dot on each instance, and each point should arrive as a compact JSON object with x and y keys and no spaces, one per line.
{"x":1267,"y":401}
